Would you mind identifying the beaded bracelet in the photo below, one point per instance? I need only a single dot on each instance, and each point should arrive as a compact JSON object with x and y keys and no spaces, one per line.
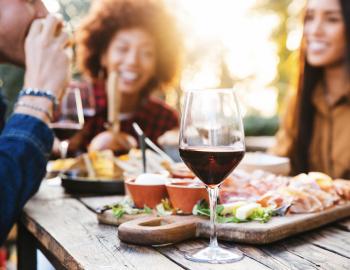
{"x":39,"y":93}
{"x":35,"y":108}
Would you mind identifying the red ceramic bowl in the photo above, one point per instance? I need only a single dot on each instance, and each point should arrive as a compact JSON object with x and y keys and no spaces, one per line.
{"x":184,"y":194}
{"x":146,"y":195}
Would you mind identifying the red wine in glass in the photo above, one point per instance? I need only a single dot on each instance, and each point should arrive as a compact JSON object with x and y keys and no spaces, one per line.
{"x":65,"y":131}
{"x":211,"y":164}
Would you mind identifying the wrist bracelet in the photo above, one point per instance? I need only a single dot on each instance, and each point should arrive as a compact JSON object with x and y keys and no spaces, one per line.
{"x":35,"y":108}
{"x":39,"y":93}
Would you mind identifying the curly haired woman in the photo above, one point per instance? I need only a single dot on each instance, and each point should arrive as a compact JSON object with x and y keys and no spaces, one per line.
{"x":138,"y":40}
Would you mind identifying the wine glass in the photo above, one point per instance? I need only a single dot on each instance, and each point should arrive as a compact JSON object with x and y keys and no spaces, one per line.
{"x":87,"y":97}
{"x":69,"y":118}
{"x":212,"y":145}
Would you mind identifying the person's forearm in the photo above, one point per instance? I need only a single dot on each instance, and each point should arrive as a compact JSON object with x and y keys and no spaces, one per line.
{"x":25,"y":144}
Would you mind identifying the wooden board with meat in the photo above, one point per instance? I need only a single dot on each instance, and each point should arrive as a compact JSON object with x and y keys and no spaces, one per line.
{"x":256,"y":207}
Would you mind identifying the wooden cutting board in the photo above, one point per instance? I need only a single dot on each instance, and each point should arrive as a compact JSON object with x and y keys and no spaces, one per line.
{"x":152,"y":230}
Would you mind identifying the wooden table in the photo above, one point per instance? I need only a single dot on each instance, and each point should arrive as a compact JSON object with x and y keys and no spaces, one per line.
{"x":68,"y":233}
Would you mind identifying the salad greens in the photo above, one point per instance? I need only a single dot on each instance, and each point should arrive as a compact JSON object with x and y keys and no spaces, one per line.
{"x":236,"y":212}
{"x":165,"y":208}
{"x":126,"y":206}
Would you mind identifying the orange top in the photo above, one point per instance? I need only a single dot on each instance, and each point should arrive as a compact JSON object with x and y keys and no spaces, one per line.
{"x":329,"y":150}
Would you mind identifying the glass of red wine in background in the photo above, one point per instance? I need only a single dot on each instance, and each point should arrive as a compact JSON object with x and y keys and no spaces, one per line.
{"x":212,"y":145}
{"x":69,"y":118}
{"x":87,"y":97}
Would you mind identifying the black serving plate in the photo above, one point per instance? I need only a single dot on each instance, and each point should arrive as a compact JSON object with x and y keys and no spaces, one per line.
{"x":75,"y":183}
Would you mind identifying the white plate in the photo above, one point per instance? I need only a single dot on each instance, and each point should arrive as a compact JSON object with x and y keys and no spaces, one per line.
{"x":261,"y":161}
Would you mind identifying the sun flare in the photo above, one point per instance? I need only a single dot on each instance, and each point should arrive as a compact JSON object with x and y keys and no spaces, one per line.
{"x":230,"y":33}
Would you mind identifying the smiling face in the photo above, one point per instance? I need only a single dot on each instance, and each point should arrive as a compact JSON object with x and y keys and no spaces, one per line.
{"x":16,"y":17}
{"x":132,"y":54}
{"x":324,"y":33}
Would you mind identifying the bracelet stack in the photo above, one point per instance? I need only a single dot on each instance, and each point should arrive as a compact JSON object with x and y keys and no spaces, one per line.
{"x":39,"y":93}
{"x":35,"y":108}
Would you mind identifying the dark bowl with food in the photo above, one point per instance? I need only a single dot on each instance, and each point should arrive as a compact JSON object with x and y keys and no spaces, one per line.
{"x":77,"y":182}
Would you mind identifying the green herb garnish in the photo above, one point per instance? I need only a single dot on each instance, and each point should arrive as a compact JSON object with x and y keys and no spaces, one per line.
{"x":226,"y":215}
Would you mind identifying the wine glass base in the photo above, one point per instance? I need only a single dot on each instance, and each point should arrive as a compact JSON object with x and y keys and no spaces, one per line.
{"x":215,"y":255}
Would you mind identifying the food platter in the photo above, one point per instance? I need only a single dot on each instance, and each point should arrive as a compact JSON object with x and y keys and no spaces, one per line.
{"x":286,"y":206}
{"x":258,"y":207}
{"x":153,"y":230}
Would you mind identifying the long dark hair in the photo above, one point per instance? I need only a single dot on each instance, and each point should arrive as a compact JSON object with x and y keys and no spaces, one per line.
{"x":309,"y":78}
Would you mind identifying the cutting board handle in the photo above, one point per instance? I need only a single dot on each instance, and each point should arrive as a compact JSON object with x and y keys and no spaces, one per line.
{"x":158,"y":230}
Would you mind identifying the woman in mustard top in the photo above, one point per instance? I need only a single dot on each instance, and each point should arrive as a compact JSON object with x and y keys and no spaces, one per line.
{"x":315,"y":133}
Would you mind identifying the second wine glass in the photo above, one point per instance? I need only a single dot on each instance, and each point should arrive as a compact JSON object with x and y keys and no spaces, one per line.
{"x":212,"y":145}
{"x":87,"y":96}
{"x":69,"y":118}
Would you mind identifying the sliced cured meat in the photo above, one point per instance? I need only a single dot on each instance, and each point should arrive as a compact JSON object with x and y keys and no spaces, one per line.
{"x":343,"y":188}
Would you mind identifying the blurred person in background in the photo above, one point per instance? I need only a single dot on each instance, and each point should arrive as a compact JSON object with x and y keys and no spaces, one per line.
{"x":315,"y":133}
{"x":139,"y":41}
{"x":28,"y":37}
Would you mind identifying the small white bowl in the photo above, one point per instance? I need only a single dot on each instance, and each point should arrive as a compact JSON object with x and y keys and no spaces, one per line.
{"x":265,"y":162}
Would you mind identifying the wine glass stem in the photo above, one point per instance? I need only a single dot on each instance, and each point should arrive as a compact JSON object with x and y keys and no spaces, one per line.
{"x":213,"y":196}
{"x":64,"y":148}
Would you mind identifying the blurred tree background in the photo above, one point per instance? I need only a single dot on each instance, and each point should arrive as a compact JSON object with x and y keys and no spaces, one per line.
{"x":212,"y":57}
{"x":286,"y":36}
